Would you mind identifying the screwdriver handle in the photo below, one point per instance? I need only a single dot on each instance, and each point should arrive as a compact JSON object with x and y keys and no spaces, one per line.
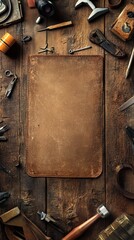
{"x":76,"y":232}
{"x":60,"y":25}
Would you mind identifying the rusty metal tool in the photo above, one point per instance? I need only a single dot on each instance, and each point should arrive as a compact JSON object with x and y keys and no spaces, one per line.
{"x":130,"y":63}
{"x":102,"y":212}
{"x":3,"y":139}
{"x":3,"y":129}
{"x":26,"y":38}
{"x":11,"y":85}
{"x":56,"y":26}
{"x":96,"y":12}
{"x":71,"y":51}
{"x":127,"y":104}
{"x":46,"y":217}
{"x":130,"y":133}
{"x":46,"y":49}
{"x":97,"y":37}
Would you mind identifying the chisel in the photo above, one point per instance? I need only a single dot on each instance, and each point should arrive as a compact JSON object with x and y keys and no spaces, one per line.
{"x":127,"y":104}
{"x":130,"y":63}
{"x":59,"y":25}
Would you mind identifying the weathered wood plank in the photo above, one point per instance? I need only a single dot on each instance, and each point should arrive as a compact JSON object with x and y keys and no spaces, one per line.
{"x":75,"y":200}
{"x":33,"y":190}
{"x":9,"y":113}
{"x":118,"y":146}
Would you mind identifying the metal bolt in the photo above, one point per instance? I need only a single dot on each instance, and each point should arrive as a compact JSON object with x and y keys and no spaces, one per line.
{"x":79,"y":49}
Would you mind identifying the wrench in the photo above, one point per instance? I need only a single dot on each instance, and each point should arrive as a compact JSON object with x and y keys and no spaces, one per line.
{"x":79,"y":49}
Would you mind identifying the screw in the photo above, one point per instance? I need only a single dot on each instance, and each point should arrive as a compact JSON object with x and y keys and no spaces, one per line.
{"x":79,"y":49}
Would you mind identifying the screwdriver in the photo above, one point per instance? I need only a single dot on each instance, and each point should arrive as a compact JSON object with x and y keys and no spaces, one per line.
{"x":56,"y":26}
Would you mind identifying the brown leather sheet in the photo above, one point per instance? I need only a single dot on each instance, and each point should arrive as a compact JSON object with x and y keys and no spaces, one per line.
{"x":65,"y":116}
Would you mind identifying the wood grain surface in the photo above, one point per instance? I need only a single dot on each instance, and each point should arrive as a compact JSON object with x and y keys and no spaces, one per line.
{"x":69,"y":201}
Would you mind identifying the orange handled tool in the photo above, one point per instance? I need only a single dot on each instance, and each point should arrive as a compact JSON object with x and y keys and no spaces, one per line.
{"x":102,"y":212}
{"x":56,"y":26}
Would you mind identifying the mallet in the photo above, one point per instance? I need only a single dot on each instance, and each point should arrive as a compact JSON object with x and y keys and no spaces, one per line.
{"x":102,"y":212}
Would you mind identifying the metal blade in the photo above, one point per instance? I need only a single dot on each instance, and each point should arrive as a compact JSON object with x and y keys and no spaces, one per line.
{"x":127,"y":104}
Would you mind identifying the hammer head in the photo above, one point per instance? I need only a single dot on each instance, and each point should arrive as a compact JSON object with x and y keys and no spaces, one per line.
{"x":79,"y":3}
{"x":102,"y":210}
{"x":97,"y":12}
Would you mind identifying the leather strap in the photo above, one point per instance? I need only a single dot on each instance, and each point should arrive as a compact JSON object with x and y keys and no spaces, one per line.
{"x":19,"y":227}
{"x":114,"y":3}
{"x":120,"y":171}
{"x":97,"y":37}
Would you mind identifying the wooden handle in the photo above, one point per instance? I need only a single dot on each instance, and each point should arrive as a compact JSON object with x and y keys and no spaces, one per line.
{"x":60,"y":25}
{"x":76,"y":232}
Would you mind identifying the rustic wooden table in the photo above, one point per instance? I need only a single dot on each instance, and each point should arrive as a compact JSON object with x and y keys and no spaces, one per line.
{"x":69,"y":200}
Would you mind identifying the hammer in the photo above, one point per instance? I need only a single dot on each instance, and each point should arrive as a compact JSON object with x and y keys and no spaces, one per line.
{"x":102,"y":212}
{"x":96,"y":12}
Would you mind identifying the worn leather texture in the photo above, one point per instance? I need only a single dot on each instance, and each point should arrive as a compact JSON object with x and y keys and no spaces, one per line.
{"x":65,"y":116}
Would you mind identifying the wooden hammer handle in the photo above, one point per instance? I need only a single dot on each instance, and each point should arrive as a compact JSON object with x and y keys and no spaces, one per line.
{"x":76,"y":232}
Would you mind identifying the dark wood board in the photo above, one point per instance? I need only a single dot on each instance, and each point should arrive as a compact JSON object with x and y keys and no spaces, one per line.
{"x":64,"y":116}
{"x":70,"y":200}
{"x":119,"y":149}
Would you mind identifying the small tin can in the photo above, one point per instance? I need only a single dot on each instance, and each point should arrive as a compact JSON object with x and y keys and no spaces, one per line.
{"x":6,"y":42}
{"x":121,"y":229}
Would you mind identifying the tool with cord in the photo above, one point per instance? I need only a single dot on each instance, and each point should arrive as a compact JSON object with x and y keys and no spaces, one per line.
{"x":102,"y":212}
{"x":96,"y":12}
